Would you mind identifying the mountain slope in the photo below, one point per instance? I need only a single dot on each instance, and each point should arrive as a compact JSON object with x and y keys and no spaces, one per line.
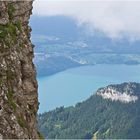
{"x":51,"y":65}
{"x":97,"y":117}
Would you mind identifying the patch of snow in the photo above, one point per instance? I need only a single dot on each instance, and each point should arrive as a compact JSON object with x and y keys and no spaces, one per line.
{"x":83,"y":62}
{"x":115,"y":95}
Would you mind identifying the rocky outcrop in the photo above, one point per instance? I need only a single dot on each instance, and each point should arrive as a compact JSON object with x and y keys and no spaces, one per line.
{"x":126,"y":93}
{"x":18,"y":85}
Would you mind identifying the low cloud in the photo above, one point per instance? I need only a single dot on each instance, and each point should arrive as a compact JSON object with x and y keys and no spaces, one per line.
{"x":117,"y":19}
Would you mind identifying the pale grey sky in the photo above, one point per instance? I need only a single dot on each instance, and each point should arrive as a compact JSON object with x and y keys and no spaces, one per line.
{"x":115,"y":18}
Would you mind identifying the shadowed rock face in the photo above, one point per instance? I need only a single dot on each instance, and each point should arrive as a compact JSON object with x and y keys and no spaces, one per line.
{"x":18,"y":85}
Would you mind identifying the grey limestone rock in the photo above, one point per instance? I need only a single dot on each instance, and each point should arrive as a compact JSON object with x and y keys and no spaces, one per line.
{"x":18,"y":85}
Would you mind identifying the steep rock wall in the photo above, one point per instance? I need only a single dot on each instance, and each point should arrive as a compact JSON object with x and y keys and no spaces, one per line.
{"x":18,"y":85}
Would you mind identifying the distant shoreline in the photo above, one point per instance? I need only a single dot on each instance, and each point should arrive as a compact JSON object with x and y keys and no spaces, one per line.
{"x":44,"y":75}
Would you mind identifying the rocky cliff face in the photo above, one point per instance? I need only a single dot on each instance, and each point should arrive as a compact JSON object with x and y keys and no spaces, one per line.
{"x":18,"y":86}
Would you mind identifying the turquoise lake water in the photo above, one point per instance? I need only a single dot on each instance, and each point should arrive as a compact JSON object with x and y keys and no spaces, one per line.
{"x":75,"y":85}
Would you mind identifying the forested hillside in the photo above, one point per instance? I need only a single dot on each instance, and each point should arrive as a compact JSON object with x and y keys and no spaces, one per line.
{"x":97,"y":117}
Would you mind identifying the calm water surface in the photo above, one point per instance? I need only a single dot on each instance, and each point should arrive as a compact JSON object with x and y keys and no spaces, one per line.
{"x":74,"y":85}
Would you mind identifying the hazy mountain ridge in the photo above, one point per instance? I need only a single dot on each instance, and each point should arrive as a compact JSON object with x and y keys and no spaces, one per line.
{"x":64,"y":30}
{"x":61,"y":37}
{"x":95,"y":117}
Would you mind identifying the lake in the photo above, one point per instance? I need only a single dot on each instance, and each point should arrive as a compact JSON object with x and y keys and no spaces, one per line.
{"x":77,"y":84}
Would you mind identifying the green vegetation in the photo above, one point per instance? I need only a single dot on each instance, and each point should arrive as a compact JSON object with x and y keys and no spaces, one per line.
{"x":9,"y":29}
{"x":8,"y":33}
{"x":3,"y":31}
{"x":0,"y":81}
{"x":21,"y":122}
{"x":40,"y":135}
{"x":10,"y":100}
{"x":18,"y":25}
{"x":11,"y":10}
{"x":95,"y":118}
{"x":21,"y":45}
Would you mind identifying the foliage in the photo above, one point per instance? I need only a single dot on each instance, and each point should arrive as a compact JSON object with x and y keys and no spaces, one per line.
{"x":3,"y":31}
{"x":40,"y":135}
{"x":11,"y":29}
{"x":7,"y":29}
{"x":11,"y":10}
{"x":8,"y":32}
{"x":94,"y":118}
{"x":18,"y":25}
{"x":10,"y":100}
{"x":21,"y":121}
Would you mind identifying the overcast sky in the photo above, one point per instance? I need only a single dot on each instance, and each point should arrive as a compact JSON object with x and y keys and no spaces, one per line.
{"x":115,"y":18}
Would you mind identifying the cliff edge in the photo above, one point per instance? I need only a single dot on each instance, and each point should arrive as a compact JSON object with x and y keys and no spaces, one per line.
{"x":18,"y":85}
